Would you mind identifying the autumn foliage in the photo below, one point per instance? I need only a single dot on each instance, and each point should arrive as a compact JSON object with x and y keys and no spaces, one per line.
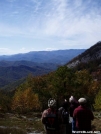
{"x":24,"y":101}
{"x":33,"y":94}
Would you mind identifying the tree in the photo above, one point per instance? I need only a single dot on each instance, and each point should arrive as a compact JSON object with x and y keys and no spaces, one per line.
{"x":82,"y":82}
{"x":26,"y":100}
{"x":97,"y":104}
{"x":62,"y":82}
{"x":5,"y":102}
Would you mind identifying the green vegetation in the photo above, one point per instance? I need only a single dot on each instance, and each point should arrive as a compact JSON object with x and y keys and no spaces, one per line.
{"x":96,"y":123}
{"x":32,"y":95}
{"x":97,"y":104}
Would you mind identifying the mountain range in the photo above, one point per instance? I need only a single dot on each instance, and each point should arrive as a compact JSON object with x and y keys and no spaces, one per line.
{"x":15,"y":68}
{"x":56,"y":56}
{"x":19,"y":66}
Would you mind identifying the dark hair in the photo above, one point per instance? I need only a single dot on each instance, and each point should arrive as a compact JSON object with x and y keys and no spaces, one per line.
{"x":65,"y":105}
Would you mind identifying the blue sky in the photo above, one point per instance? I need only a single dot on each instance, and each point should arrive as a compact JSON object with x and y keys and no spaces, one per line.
{"x":35,"y":25}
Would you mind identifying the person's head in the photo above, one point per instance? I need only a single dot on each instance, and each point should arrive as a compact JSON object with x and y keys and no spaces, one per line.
{"x":65,"y":104}
{"x":52,"y":103}
{"x":71,"y":99}
{"x":82,"y":101}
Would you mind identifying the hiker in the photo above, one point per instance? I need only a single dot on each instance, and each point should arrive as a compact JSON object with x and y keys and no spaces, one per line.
{"x":73,"y":104}
{"x":50,"y":118}
{"x":63,"y":112}
{"x":83,"y":116}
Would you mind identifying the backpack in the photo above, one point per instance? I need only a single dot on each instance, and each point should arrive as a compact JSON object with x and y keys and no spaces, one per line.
{"x":65,"y":116}
{"x":51,"y":121}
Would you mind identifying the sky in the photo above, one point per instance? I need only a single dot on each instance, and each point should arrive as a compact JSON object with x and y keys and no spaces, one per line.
{"x":37,"y":25}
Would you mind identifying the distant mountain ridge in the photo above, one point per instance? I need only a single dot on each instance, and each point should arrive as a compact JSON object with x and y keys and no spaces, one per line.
{"x":16,"y":67}
{"x":12,"y":70}
{"x":56,"y":56}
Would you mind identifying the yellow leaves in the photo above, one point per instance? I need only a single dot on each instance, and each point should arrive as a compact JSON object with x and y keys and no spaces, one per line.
{"x":58,"y":84}
{"x":31,"y":99}
{"x":83,"y":77}
{"x":97,"y":104}
{"x":25,"y":100}
{"x":93,"y":88}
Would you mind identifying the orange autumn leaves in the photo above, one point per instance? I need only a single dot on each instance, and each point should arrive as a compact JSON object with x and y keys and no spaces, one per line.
{"x":26,"y":100}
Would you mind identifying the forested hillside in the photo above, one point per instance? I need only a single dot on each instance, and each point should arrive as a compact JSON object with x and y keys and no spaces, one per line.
{"x":19,"y":66}
{"x":32,"y":94}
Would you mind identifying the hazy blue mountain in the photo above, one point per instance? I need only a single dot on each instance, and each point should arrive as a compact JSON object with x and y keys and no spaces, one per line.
{"x":19,"y":66}
{"x":57,"y":57}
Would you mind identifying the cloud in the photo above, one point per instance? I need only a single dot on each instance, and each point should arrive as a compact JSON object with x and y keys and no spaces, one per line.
{"x":25,"y":50}
{"x":4,"y":50}
{"x":66,"y":19}
{"x":50,"y":49}
{"x":73,"y":22}
{"x":8,"y":30}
